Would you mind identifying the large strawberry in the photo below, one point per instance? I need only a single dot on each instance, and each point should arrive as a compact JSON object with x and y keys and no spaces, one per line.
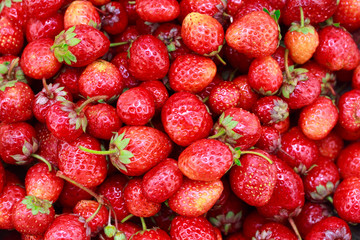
{"x":11,"y":37}
{"x":191,"y":228}
{"x":11,"y":194}
{"x":42,"y":8}
{"x":81,"y":12}
{"x":159,"y":11}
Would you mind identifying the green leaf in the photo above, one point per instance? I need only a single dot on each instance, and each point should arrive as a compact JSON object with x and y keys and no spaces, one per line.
{"x":267,"y":11}
{"x":37,"y":205}
{"x":71,"y":57}
{"x":8,"y":3}
{"x":230,"y":215}
{"x":3,"y":69}
{"x":74,"y":41}
{"x":126,"y":154}
{"x":237,"y":162}
{"x":123,"y":143}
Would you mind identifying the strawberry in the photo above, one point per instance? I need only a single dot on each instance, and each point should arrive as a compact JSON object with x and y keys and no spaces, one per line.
{"x":149,"y":58}
{"x":135,"y":106}
{"x":159,"y":92}
{"x":128,"y":228}
{"x":274,"y":231}
{"x":202,"y":33}
{"x":81,"y":12}
{"x":159,"y":11}
{"x":302,"y":40}
{"x":213,"y":8}
{"x":3,"y":178}
{"x":101,"y":78}
{"x":38,"y":60}
{"x":80,"y":45}
{"x":252,"y":223}
{"x":14,"y":11}
{"x":162,"y":181}
{"x":99,"y":2}
{"x":121,"y":61}
{"x":71,"y":195}
{"x":279,"y":56}
{"x":256,"y":34}
{"x":332,"y":228}
{"x":69,"y":78}
{"x":223,"y":96}
{"x":269,"y":140}
{"x":348,"y":15}
{"x":11,"y":37}
{"x":183,"y":228}
{"x":42,"y":8}
{"x":85,"y":168}
{"x":265,"y":76}
{"x":198,"y":163}
{"x":151,"y":234}
{"x":348,"y":161}
{"x":348,"y":113}
{"x":47,"y":144}
{"x":355,"y":83}
{"x":252,"y":6}
{"x":129,"y":35}
{"x":200,"y":197}
{"x":68,"y":226}
{"x":205,"y":93}
{"x":42,"y":183}
{"x":237,"y":60}
{"x":191,"y":73}
{"x":185,"y":118}
{"x":233,"y":6}
{"x":337,"y":49}
{"x":136,"y":202}
{"x":236,"y":236}
{"x":32,"y":215}
{"x":17,"y":142}
{"x":271,"y":110}
{"x":248,"y":96}
{"x":330,"y":146}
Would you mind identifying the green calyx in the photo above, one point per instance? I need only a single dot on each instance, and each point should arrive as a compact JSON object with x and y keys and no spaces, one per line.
{"x":7,"y":3}
{"x":279,"y":112}
{"x":304,"y":25}
{"x":225,"y":129}
{"x":37,"y":205}
{"x":323,"y":191}
{"x":122,"y":156}
{"x":27,"y":150}
{"x":63,"y":41}
{"x":11,"y":71}
{"x":276,"y":16}
{"x":237,"y":153}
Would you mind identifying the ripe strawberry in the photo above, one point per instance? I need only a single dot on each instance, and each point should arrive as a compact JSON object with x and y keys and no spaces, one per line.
{"x":223,"y":96}
{"x":32,"y":215}
{"x":11,"y":37}
{"x":200,"y":197}
{"x":47,"y":144}
{"x":248,"y":96}
{"x":279,"y":56}
{"x":183,"y":228}
{"x":159,"y":11}
{"x":337,"y":49}
{"x":348,"y":15}
{"x":149,"y":59}
{"x":162,"y":181}
{"x":253,"y":222}
{"x":191,"y":73}
{"x":198,"y":163}
{"x":302,"y":40}
{"x":205,"y":93}
{"x":38,"y":60}
{"x":85,"y":168}
{"x":274,"y":231}
{"x":330,"y":146}
{"x":151,"y":234}
{"x":237,"y":127}
{"x":42,"y":183}
{"x":42,"y":8}
{"x":71,"y":195}
{"x":14,"y":11}
{"x":213,"y":8}
{"x":101,"y":78}
{"x":121,"y":61}
{"x":271,"y":110}
{"x":269,"y":140}
{"x":233,"y":6}
{"x":237,"y":60}
{"x":236,"y":236}
{"x":202,"y":33}
{"x":115,"y":19}
{"x":159,"y":92}
{"x":185,"y":118}
{"x":69,"y":78}
{"x":17,"y":142}
{"x":332,"y":228}
{"x":3,"y":179}
{"x":80,"y":45}
{"x":348,"y":113}
{"x":348,"y":161}
{"x":129,"y":35}
{"x":81,"y":12}
{"x":68,"y":226}
{"x":256,"y":34}
{"x":10,"y":195}
{"x":135,"y":106}
{"x":355,"y":81}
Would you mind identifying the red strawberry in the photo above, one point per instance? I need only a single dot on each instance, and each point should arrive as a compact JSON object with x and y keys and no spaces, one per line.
{"x":252,"y":223}
{"x":69,"y":78}
{"x":68,"y":226}
{"x":233,"y":6}
{"x":330,"y":146}
{"x":198,"y":163}
{"x":151,"y":234}
{"x":42,"y":183}
{"x":32,"y":215}
{"x":269,"y":140}
{"x":237,"y":60}
{"x":81,"y":12}
{"x":271,"y":110}
{"x":279,"y":56}
{"x":236,"y":236}
{"x":162,"y":181}
{"x":115,"y":19}
{"x":159,"y":92}
{"x":47,"y":144}
{"x":200,"y":197}
{"x":348,"y":110}
{"x":274,"y":231}
{"x":159,"y":11}
{"x":223,"y":96}
{"x":11,"y":37}
{"x":256,"y":34}
{"x":213,"y":8}
{"x":71,"y":195}
{"x":129,"y":35}
{"x":191,"y":73}
{"x":14,"y":11}
{"x":185,"y":118}
{"x":191,"y":228}
{"x":3,"y":178}
{"x":348,"y":15}
{"x":42,"y":8}
{"x":121,"y":61}
{"x":355,"y":83}
{"x":248,"y":96}
{"x":348,"y":161}
{"x":148,"y":58}
{"x":331,"y":227}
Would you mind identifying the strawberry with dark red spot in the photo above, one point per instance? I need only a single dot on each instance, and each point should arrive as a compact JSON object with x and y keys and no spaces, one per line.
{"x":349,"y":110}
{"x":271,"y":110}
{"x":81,"y":12}
{"x":274,"y":231}
{"x":41,"y":8}
{"x":11,"y":37}
{"x":159,"y":11}
{"x":269,"y":140}
{"x":348,"y":161}
{"x":191,"y":228}
{"x":223,"y":96}
{"x":10,"y":195}
{"x":114,"y":20}
{"x":332,"y":228}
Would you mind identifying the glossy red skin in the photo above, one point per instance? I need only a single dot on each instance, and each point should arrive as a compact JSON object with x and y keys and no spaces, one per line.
{"x":42,"y":183}
{"x":85,"y":208}
{"x":16,"y":13}
{"x":248,"y":96}
{"x":159,"y":92}
{"x":208,"y":7}
{"x":337,"y":50}
{"x":252,"y":6}
{"x":276,"y":231}
{"x":42,"y":8}
{"x":31,"y":237}
{"x":11,"y":37}
{"x":316,"y":11}
{"x":69,"y":77}
{"x":101,"y":78}
{"x":191,"y":228}
{"x":185,"y":118}
{"x":269,"y":140}
{"x":10,"y":195}
{"x":323,"y":173}
{"x":161,"y":11}
{"x":15,"y":103}
{"x":310,"y":214}
{"x":162,"y":181}
{"x":38,"y":61}
{"x":330,"y":227}
{"x":26,"y":223}
{"x":80,"y":12}
{"x":86,"y":168}
{"x":151,"y":234}
{"x":43,"y":100}
{"x":355,"y":83}
{"x":253,"y":222}
{"x":148,"y":145}
{"x":288,"y":196}
{"x":47,"y":144}
{"x":116,"y":19}
{"x":71,"y":195}
{"x":297,"y":150}
{"x":191,"y":73}
{"x":330,"y":146}
{"x":201,"y":197}
{"x":130,"y":10}
{"x":130,"y":34}
{"x":236,"y":236}
{"x":348,"y":161}
{"x":3,"y":179}
{"x":121,"y":61}
{"x":205,"y":93}
{"x":279,"y":56}
{"x":348,"y":15}
{"x":271,"y":110}
{"x":223,"y":96}
{"x":348,"y":113}
{"x":68,"y":226}
{"x":149,"y":58}
{"x":346,"y":134}
{"x":237,"y":60}
{"x":13,"y":136}
{"x":44,"y":28}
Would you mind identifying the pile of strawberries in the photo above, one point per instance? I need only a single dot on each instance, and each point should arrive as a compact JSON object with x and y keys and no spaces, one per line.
{"x":182,"y":120}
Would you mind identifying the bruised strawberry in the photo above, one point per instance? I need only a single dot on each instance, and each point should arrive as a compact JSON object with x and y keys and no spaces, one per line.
{"x":159,"y":11}
{"x":331,"y":227}
{"x":81,"y":12}
{"x":274,"y":231}
{"x":11,"y":37}
{"x":348,"y":161}
{"x":191,"y":228}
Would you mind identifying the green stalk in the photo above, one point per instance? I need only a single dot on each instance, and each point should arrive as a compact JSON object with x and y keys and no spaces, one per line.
{"x":102,"y":152}
{"x":258,"y":154}
{"x":42,"y":159}
{"x":94,"y":214}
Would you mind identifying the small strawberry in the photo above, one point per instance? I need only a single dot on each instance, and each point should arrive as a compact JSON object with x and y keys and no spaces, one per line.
{"x":183,"y":228}
{"x":348,"y":110}
{"x":330,"y":146}
{"x":32,"y":215}
{"x":248,"y":96}
{"x":11,"y":37}
{"x":81,"y":12}
{"x":115,"y":19}
{"x":223,"y":96}
{"x":331,"y":228}
{"x":71,"y":195}
{"x":200,"y":197}
{"x":269,"y":140}
{"x":42,"y":8}
{"x":69,"y":78}
{"x":159,"y":92}
{"x":271,"y":110}
{"x":159,"y":11}
{"x":348,"y":15}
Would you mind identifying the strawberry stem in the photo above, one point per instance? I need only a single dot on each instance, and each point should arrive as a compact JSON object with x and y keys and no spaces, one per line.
{"x":330,"y":199}
{"x":220,"y":59}
{"x":287,"y":71}
{"x":94,"y":214}
{"x":102,"y":152}
{"x":118,"y":44}
{"x":301,"y":17}
{"x":127,"y":218}
{"x":42,"y":159}
{"x":90,"y":100}
{"x":131,"y":2}
{"x":258,"y":154}
{"x":293,"y":225}
{"x":48,"y":93}
{"x":143,"y":224}
{"x":11,"y":68}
